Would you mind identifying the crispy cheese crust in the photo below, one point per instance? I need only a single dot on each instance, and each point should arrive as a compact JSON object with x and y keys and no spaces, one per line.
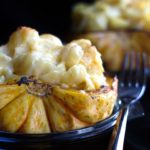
{"x":77,"y":64}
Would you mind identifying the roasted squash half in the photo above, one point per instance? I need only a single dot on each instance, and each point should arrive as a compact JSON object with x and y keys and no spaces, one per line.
{"x":42,"y":108}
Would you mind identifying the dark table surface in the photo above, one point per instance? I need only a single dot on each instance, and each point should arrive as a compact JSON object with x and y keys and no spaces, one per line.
{"x":138,"y":126}
{"x":138,"y":130}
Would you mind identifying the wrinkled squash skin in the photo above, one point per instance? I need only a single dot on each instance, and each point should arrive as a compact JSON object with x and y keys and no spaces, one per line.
{"x":59,"y":109}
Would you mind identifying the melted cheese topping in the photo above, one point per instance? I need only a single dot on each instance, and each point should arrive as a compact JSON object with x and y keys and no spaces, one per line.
{"x":5,"y":64}
{"x":77,"y":64}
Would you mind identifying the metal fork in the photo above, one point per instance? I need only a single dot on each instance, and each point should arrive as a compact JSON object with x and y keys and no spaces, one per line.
{"x":132,"y":85}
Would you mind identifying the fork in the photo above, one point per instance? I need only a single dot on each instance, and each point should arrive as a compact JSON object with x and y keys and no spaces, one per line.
{"x":132,"y":85}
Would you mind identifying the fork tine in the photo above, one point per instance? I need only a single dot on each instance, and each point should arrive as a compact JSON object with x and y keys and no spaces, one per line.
{"x":141,"y":69}
{"x":138,"y":69}
{"x":134,"y":69}
{"x":124,"y":68}
{"x":127,"y":76}
{"x":130,"y":76}
{"x":133,"y":72}
{"x":144,"y":68}
{"x":142,"y":78}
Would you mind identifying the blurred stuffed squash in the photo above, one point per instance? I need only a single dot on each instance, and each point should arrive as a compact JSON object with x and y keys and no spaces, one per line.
{"x":64,"y":88}
{"x":111,"y":15}
{"x":113,"y":45}
{"x":114,"y":27}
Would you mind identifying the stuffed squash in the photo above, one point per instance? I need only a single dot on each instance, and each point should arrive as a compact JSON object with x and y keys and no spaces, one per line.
{"x":47,"y":86}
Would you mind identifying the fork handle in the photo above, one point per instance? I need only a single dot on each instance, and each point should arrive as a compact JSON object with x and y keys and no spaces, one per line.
{"x":118,"y":134}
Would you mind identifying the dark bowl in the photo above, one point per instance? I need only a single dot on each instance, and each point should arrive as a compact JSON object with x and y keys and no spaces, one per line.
{"x":84,"y":137}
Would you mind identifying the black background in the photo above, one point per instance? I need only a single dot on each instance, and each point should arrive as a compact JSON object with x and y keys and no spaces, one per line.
{"x":53,"y":16}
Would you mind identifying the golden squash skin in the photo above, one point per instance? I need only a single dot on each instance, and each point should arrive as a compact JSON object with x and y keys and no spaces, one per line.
{"x":28,"y":110}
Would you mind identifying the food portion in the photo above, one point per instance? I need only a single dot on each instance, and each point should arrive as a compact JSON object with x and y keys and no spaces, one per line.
{"x":111,"y":14}
{"x":113,"y":45}
{"x":77,"y":64}
{"x":47,"y":86}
